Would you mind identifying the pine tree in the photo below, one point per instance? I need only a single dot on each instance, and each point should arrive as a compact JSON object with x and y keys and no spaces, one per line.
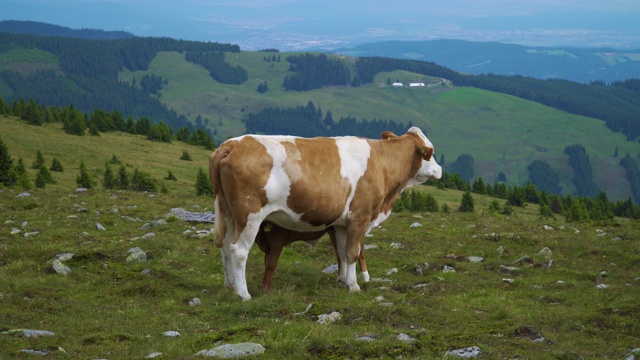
{"x":203,"y":184}
{"x":44,"y":175}
{"x":110,"y":181}
{"x":6,"y":163}
{"x":467,"y":204}
{"x":56,"y":165}
{"x":39,"y":162}
{"x":84,"y":179}
{"x":123,"y":178}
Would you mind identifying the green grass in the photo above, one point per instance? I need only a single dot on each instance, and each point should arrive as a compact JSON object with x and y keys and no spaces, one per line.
{"x":502,"y":133}
{"x":108,"y":308}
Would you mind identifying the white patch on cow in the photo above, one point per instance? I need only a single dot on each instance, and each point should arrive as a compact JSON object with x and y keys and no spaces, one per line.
{"x":429,"y":169}
{"x":352,"y":280}
{"x":365,"y":276}
{"x":379,"y":220}
{"x":354,"y":154}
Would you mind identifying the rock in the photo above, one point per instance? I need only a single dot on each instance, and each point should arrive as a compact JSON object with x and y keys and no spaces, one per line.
{"x":185,"y":215}
{"x":136,"y":254}
{"x":547,"y":227}
{"x":546,"y":252}
{"x":61,"y":268}
{"x":379,"y":299}
{"x":500,"y":250}
{"x":333,"y":268}
{"x":405,"y":338}
{"x":419,"y":286}
{"x":195,"y":302}
{"x":369,"y":247}
{"x":153,"y":355}
{"x":228,"y":351}
{"x":329,"y":318}
{"x":509,"y":268}
{"x":154,"y":223}
{"x":34,"y":352}
{"x":32,"y":233}
{"x":467,"y":352}
{"x":145,"y":236}
{"x":81,"y":189}
{"x":392,"y":271}
{"x":100,"y":227}
{"x":524,"y":260}
{"x":29,"y":333}
{"x":475,"y":259}
{"x":448,"y":269}
{"x":365,"y":338}
{"x":24,"y":194}
{"x":508,"y":280}
{"x":415,"y":224}
{"x":15,"y":231}
{"x":63,"y":256}
{"x":602,"y":286}
{"x":395,"y":245}
{"x":380,"y":280}
{"x":417,"y":270}
{"x":171,"y":333}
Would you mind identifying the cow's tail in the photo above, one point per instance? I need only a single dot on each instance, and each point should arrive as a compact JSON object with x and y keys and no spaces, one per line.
{"x":220,"y":201}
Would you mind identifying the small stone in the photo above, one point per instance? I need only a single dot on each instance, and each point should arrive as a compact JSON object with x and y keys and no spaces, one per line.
{"x":154,"y":223}
{"x":34,"y":352}
{"x":602,"y":286}
{"x":228,"y":351}
{"x":415,"y":224}
{"x":329,"y":318}
{"x":475,"y":259}
{"x":500,"y":250}
{"x":417,"y":270}
{"x":61,"y":268}
{"x":24,"y":194}
{"x":81,"y":189}
{"x":509,"y":268}
{"x":405,"y":338}
{"x":392,"y":271}
{"x":546,"y":252}
{"x":523,"y":260}
{"x":15,"y":231}
{"x":370,"y":246}
{"x":100,"y":227}
{"x":419,"y":286}
{"x":64,"y":256}
{"x":379,"y":299}
{"x":333,"y":268}
{"x":508,"y":280}
{"x":365,"y":338}
{"x":171,"y":333}
{"x":547,"y":227}
{"x":32,"y":233}
{"x":195,"y":302}
{"x":467,"y":352}
{"x":448,"y":269}
{"x":136,"y":254}
{"x":395,"y":245}
{"x":153,"y":355}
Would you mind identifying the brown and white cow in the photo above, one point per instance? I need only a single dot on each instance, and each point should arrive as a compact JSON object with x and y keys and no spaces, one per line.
{"x":307,"y":185}
{"x":271,"y":239}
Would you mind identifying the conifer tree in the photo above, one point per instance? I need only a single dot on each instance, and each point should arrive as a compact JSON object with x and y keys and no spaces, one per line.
{"x":84,"y":179}
{"x":6,"y":163}
{"x":123,"y":178}
{"x":467,"y":204}
{"x":203,"y":184}
{"x":39,"y":161}
{"x":56,"y":165}
{"x":110,"y":181}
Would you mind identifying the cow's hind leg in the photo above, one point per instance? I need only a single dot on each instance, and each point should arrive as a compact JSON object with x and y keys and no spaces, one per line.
{"x":243,"y":240}
{"x":229,"y":280}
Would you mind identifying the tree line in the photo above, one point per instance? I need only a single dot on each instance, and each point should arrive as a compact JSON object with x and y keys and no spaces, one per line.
{"x":219,"y":70}
{"x":314,"y":72}
{"x":75,"y":122}
{"x":309,"y":121}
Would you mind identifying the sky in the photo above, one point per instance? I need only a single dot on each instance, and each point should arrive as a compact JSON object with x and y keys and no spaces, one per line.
{"x":330,"y":24}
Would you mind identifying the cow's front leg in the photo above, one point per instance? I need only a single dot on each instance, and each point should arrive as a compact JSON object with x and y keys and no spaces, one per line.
{"x":340,"y":248}
{"x":239,"y":254}
{"x":354,"y":246}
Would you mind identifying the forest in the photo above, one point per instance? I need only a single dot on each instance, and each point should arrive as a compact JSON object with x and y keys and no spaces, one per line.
{"x":309,"y":121}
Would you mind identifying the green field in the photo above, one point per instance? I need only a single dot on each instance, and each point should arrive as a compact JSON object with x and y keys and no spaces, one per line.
{"x":545,"y":307}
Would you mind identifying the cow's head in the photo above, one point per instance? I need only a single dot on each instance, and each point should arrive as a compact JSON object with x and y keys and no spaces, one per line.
{"x":429,"y":169}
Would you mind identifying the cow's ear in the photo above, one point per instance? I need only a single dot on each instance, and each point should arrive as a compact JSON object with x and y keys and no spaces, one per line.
{"x":426,"y":152}
{"x":388,"y":135}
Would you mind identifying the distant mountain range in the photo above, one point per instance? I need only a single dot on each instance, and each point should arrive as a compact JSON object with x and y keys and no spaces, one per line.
{"x":43,"y":29}
{"x":575,"y":64}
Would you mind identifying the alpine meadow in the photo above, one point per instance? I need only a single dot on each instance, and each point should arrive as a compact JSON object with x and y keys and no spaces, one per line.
{"x":526,"y":248}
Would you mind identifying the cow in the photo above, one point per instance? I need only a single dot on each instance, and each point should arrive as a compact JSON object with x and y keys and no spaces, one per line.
{"x":311,"y":184}
{"x":272,"y":238}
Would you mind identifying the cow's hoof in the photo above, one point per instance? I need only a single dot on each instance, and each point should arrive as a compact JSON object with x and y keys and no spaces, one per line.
{"x":245,"y":297}
{"x":354,"y":288}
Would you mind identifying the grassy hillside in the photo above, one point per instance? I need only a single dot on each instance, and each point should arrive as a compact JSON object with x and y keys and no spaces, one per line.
{"x":155,"y":158}
{"x":502,"y":133}
{"x":111,"y":308}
